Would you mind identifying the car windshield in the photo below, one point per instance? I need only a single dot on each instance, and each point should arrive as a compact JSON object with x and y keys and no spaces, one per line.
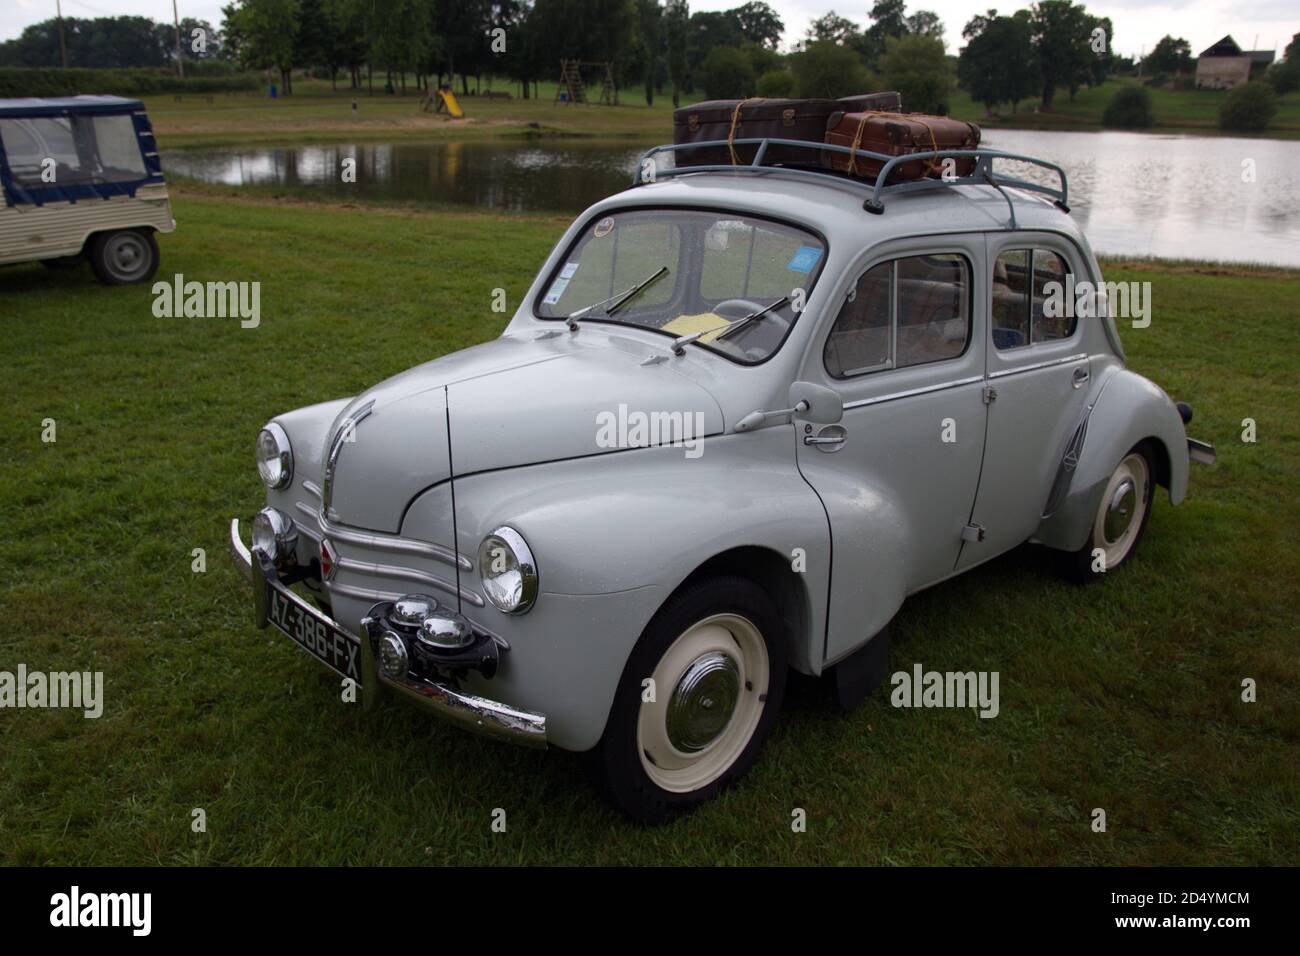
{"x":689,"y":273}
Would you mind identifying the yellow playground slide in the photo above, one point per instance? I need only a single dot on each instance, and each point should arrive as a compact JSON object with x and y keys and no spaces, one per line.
{"x":448,"y":102}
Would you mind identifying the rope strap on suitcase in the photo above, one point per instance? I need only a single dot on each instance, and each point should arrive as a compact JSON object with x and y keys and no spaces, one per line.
{"x":735,"y":124}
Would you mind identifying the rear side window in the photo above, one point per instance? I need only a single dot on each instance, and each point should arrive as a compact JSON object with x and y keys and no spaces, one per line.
{"x":1023,"y":280}
{"x":904,"y":312}
{"x":72,"y":150}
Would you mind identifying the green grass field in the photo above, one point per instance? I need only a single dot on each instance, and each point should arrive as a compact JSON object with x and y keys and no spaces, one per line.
{"x":1188,"y":111}
{"x":316,"y":114}
{"x":1124,"y":695}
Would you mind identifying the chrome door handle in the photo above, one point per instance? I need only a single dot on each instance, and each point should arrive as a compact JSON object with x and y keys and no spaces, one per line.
{"x":823,"y":440}
{"x":1080,"y":376}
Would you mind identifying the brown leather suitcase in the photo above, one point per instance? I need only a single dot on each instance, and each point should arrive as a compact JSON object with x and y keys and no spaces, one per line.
{"x":897,"y":134}
{"x":750,"y":119}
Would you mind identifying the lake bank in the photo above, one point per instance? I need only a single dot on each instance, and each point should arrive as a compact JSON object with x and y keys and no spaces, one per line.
{"x":1193,"y":201}
{"x":319,"y":115}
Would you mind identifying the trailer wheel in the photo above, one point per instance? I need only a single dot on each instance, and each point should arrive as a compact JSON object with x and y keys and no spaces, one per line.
{"x":124,"y":257}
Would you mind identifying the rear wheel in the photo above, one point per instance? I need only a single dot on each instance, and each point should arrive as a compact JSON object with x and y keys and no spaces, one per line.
{"x":125,"y":257}
{"x":1121,"y":517}
{"x":717,"y":660}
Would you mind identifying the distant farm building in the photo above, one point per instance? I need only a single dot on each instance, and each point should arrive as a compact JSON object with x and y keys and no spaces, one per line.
{"x":1225,"y":65}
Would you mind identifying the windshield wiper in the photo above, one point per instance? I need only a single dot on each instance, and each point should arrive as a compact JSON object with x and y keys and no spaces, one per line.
{"x":679,"y":345}
{"x":623,"y":297}
{"x":632,"y":292}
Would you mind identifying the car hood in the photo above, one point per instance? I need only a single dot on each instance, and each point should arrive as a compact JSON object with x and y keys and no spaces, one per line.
{"x":514,"y":401}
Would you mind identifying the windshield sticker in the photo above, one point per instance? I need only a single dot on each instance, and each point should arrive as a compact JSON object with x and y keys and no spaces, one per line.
{"x":557,"y":290}
{"x":604,"y":227}
{"x":805,"y":258}
{"x":569,"y":269}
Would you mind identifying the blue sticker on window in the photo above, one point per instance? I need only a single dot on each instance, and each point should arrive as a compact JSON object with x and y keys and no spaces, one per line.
{"x":805,"y":258}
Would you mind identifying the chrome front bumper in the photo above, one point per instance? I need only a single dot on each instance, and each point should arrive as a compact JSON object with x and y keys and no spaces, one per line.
{"x":469,"y":711}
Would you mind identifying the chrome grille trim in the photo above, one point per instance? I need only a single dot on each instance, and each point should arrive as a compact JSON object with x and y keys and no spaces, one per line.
{"x":405,"y":574}
{"x":393,"y":543}
{"x":312,"y":489}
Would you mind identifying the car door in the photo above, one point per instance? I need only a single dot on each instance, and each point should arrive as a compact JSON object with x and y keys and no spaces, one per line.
{"x":898,"y":473}
{"x":1038,"y":369}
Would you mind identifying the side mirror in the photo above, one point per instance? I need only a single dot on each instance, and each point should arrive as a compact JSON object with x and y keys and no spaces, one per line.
{"x":824,"y":405}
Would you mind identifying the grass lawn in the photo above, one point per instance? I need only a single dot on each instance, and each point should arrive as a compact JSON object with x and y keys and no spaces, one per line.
{"x":1187,"y":111}
{"x":1124,"y":695}
{"x":316,"y":114}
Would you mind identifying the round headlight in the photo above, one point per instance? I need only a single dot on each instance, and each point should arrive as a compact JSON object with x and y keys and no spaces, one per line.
{"x":509,"y":571}
{"x":274,"y":456}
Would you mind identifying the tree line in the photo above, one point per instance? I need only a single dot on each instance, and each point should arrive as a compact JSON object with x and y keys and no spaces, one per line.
{"x":658,"y":46}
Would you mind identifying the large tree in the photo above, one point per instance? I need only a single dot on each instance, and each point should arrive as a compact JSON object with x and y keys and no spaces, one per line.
{"x":1170,"y":55}
{"x":1061,"y":38}
{"x":677,"y":16}
{"x":263,"y":34}
{"x":997,"y":64}
{"x":915,"y":66}
{"x":833,"y":28}
{"x":759,"y":24}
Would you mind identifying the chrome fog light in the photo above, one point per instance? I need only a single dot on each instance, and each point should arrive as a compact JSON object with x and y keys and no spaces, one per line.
{"x":275,"y":535}
{"x":412,"y":609}
{"x":394,"y":661}
{"x":446,"y":631}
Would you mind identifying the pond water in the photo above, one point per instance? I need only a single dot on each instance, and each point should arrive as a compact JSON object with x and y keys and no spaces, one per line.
{"x":1134,"y":193}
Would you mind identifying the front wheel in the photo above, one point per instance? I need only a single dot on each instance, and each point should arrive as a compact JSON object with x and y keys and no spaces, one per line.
{"x":125,"y":257}
{"x":1121,"y":517}
{"x":697,"y":699}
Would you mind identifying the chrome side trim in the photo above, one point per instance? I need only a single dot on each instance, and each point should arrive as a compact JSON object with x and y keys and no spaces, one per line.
{"x":909,"y":393}
{"x":312,"y":488}
{"x":393,"y":543}
{"x":375,"y":570}
{"x":1003,"y":373}
{"x":479,"y":714}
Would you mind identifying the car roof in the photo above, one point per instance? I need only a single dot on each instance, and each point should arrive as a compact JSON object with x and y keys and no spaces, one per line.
{"x":832,"y":205}
{"x":45,"y":106}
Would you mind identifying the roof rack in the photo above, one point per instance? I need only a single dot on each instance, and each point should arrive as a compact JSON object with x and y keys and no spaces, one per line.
{"x":982,"y":175}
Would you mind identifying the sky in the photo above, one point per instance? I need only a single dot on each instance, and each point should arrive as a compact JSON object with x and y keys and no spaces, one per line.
{"x":1138,"y":24}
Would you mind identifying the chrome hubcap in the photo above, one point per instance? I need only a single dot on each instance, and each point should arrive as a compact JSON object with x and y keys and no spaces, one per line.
{"x":703,"y":702}
{"x":1120,"y":511}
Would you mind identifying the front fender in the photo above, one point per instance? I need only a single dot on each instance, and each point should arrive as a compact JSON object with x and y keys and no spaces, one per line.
{"x":613,"y":536}
{"x":308,"y":429}
{"x":1127,"y":409}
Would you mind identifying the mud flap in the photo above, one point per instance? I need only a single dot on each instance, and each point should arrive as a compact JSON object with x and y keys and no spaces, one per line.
{"x":858,"y":675}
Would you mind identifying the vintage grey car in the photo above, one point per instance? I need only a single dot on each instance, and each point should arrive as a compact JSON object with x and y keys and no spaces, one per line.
{"x":740,"y":415}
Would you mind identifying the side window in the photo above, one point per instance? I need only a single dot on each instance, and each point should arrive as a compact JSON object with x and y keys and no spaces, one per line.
{"x":904,"y":312}
{"x":1023,"y":280}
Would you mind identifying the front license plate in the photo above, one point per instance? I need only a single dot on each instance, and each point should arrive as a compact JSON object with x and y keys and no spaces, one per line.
{"x":336,"y":649}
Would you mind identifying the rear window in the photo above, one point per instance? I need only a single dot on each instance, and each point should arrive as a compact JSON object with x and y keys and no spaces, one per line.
{"x":72,"y":150}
